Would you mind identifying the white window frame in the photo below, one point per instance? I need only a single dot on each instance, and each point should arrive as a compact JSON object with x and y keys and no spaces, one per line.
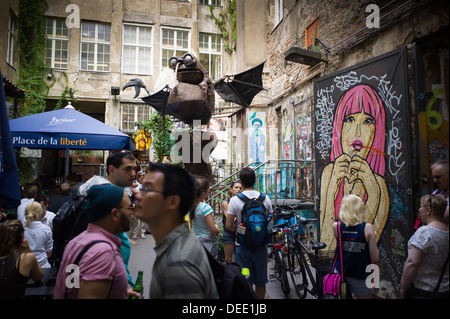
{"x":11,"y":39}
{"x":278,"y":11}
{"x":96,"y":42}
{"x":210,"y":3}
{"x":138,"y":45}
{"x":174,"y":48}
{"x":210,"y":52}
{"x":136,"y":112}
{"x":54,"y":38}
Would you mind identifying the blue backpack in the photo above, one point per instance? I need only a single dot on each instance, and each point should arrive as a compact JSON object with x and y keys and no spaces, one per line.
{"x":252,"y":232}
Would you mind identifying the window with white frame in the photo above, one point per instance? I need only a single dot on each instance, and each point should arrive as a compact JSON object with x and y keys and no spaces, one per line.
{"x":210,"y":49}
{"x":174,"y":42}
{"x":278,"y":11}
{"x":137,"y":49}
{"x":56,"y":43}
{"x":131,"y":113}
{"x":12,"y":23}
{"x":95,"y":46}
{"x":217,"y":3}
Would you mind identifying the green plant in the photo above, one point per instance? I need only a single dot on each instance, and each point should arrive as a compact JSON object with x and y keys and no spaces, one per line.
{"x":66,"y":92}
{"x":159,"y":127}
{"x":227,"y":24}
{"x":31,"y":37}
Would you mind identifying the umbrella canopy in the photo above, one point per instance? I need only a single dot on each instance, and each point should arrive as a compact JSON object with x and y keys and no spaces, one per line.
{"x":67,"y":129}
{"x":9,"y":177}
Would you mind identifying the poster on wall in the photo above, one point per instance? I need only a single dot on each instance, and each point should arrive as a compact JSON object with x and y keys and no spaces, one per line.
{"x":362,"y":147}
{"x":256,"y":137}
{"x":303,"y":151}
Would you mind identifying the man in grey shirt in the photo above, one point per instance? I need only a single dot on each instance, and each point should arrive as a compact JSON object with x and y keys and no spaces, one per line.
{"x":181,"y":268}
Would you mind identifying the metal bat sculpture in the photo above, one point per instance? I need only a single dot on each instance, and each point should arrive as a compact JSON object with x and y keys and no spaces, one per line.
{"x":193,"y":98}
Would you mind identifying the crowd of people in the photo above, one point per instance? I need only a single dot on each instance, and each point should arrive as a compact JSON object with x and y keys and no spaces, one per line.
{"x":159,"y":200}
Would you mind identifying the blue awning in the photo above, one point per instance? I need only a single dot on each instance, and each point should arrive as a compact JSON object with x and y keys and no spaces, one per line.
{"x":67,"y":129}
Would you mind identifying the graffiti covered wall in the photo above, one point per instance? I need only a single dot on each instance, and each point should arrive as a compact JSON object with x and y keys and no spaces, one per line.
{"x":303,"y":148}
{"x":362,"y":147}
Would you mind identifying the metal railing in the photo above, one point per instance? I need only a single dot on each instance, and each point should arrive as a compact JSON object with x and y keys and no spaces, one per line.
{"x":285,"y":181}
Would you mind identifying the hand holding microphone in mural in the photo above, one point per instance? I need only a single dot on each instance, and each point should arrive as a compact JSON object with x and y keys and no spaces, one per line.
{"x":357,"y":162}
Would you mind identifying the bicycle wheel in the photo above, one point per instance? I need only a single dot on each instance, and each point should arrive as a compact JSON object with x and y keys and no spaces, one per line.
{"x":298,"y":273}
{"x":280,"y":267}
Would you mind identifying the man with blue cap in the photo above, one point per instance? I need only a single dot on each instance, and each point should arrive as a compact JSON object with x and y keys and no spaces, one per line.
{"x":100,"y":272}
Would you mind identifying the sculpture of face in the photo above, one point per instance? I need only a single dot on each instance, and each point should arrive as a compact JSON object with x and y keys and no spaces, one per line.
{"x":193,"y":97}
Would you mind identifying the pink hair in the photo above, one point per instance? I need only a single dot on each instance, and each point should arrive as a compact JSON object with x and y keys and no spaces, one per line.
{"x":353,"y":101}
{"x":361,"y":96}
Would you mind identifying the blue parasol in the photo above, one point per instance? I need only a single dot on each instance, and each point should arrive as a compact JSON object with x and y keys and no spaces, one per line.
{"x":67,"y":129}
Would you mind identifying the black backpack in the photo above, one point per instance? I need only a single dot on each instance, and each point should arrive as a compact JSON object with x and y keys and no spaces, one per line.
{"x":230,"y":282}
{"x":252,"y":232}
{"x":71,"y":219}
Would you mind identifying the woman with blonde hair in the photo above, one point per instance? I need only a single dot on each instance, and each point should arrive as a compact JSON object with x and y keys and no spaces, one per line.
{"x":17,"y":262}
{"x":425,"y":274}
{"x":359,"y":247}
{"x":38,"y":234}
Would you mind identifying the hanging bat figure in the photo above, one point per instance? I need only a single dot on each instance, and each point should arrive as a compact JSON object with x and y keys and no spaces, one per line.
{"x":192,"y":98}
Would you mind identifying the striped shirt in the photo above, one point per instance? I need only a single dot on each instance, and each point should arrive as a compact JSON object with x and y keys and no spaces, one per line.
{"x":199,"y":226}
{"x":181,"y":269}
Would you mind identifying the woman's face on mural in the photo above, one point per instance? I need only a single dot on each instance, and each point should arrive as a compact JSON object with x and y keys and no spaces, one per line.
{"x":358,"y":132}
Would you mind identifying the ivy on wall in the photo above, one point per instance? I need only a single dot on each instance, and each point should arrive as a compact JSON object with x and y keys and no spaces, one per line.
{"x":33,"y":71}
{"x":226,"y":21}
{"x":31,"y":38}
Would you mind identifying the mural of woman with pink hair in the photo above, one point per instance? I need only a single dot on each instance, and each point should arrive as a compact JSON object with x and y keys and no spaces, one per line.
{"x":357,"y":163}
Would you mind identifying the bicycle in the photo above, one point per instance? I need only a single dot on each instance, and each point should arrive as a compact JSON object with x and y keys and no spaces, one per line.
{"x":279,"y":250}
{"x":298,"y":243}
{"x":320,"y":260}
{"x":282,"y":248}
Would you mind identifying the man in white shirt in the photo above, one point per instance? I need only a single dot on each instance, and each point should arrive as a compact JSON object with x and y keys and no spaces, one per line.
{"x":256,"y":260}
{"x":30,"y":190}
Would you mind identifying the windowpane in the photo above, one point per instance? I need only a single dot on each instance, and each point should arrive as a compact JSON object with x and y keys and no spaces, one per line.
{"x":144,"y":61}
{"x":168,"y":37}
{"x":133,"y":112}
{"x":166,"y":55}
{"x":137,"y":58}
{"x":56,"y":43}
{"x":95,"y":47}
{"x":104,"y":33}
{"x":145,"y":36}
{"x":210,"y":47}
{"x":174,"y":43}
{"x":49,"y":28}
{"x":182,"y":39}
{"x":129,"y":35}
{"x":129,"y":56}
{"x":88,"y":31}
{"x":61,"y":29}
{"x":48,"y":52}
{"x":203,"y":42}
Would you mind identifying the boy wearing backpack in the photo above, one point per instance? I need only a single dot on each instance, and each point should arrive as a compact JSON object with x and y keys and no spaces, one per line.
{"x":251,"y":230}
